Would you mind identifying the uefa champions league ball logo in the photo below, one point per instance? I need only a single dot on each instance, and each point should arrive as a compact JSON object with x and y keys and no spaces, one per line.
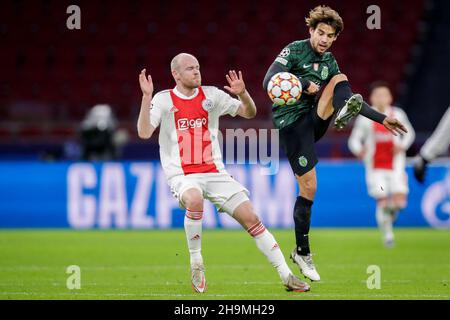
{"x":285,"y":52}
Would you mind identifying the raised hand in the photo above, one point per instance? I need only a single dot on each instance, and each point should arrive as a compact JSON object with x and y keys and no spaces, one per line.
{"x":146,"y":83}
{"x":236,"y":83}
{"x":312,"y":89}
{"x":394,"y":126}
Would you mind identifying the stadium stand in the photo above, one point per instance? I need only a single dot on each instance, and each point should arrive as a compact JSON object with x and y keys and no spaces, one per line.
{"x":51,"y":75}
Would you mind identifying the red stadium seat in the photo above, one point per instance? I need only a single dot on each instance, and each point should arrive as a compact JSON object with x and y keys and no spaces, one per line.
{"x":101,"y":61}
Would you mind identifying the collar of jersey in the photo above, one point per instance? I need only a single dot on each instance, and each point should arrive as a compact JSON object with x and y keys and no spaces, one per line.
{"x":182,"y":96}
{"x":317,"y":55}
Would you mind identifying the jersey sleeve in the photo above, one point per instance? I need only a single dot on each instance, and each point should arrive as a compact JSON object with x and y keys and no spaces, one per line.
{"x":156,"y":111}
{"x":225,"y":104}
{"x":289,"y":56}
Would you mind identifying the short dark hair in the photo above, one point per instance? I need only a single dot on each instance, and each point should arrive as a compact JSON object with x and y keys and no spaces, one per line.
{"x":378,"y":84}
{"x":324,"y":14}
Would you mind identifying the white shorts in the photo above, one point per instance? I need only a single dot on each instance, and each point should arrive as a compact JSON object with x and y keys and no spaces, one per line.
{"x":219,"y":188}
{"x":385,"y":183}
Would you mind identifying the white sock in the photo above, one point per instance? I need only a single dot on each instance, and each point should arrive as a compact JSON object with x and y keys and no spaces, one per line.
{"x":384,"y":221}
{"x":193,"y":230}
{"x":269,"y":247}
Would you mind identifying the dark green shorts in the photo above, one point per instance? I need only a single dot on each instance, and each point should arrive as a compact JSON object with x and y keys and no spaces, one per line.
{"x":298,"y":139}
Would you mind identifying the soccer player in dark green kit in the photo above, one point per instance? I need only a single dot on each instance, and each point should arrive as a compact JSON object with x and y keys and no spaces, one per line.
{"x":326,"y":92}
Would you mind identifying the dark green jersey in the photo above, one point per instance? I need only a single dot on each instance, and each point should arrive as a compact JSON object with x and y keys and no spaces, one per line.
{"x":301,"y":60}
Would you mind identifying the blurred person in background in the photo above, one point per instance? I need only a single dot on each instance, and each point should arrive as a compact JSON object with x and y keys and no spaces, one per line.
{"x":384,"y":157}
{"x":435,"y":146}
{"x":100,"y":138}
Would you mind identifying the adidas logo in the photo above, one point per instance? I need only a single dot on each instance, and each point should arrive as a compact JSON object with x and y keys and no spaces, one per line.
{"x":196,"y":237}
{"x":275,"y":246}
{"x":174,"y":109}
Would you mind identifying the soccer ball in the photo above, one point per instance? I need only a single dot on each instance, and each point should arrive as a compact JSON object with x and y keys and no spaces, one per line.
{"x":284,"y":88}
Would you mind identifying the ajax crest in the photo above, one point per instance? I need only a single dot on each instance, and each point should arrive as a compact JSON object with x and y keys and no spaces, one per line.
{"x":207,"y":105}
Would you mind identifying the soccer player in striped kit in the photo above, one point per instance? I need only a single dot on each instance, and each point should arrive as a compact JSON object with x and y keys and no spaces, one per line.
{"x":384,"y":157}
{"x":188,"y":116}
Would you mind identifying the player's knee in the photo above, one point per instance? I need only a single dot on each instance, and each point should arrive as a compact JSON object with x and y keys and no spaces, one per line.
{"x":382,"y":202}
{"x":338,"y":78}
{"x":245,"y":214}
{"x":248,"y":214}
{"x":251,"y":220}
{"x":193,"y":200}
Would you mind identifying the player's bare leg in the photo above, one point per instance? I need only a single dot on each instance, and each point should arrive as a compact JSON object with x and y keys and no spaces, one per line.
{"x":325,"y":107}
{"x":308,"y":184}
{"x":385,"y":221}
{"x":267,"y":244}
{"x":398,"y":203}
{"x":193,"y":201}
{"x":301,"y":255}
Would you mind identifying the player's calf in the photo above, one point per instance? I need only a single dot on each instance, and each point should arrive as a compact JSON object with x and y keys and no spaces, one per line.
{"x":267,"y":244}
{"x":385,"y":222}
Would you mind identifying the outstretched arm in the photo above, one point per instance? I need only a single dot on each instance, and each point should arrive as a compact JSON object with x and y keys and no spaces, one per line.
{"x":144,"y":128}
{"x":236,"y":86}
{"x":273,"y":70}
{"x":392,"y":124}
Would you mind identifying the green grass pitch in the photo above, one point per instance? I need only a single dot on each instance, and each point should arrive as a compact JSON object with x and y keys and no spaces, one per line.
{"x":154,"y":265}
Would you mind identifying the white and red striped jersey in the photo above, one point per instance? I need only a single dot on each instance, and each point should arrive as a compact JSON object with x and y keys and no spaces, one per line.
{"x":379,"y":143}
{"x":189,"y":128}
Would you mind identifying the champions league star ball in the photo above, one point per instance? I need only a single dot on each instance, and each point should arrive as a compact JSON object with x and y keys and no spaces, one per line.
{"x":284,"y":88}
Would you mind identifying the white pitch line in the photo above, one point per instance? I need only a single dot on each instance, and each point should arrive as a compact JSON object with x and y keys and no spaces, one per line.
{"x":149,"y":267}
{"x":185,"y":282}
{"x":307,"y":294}
{"x":186,"y":266}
